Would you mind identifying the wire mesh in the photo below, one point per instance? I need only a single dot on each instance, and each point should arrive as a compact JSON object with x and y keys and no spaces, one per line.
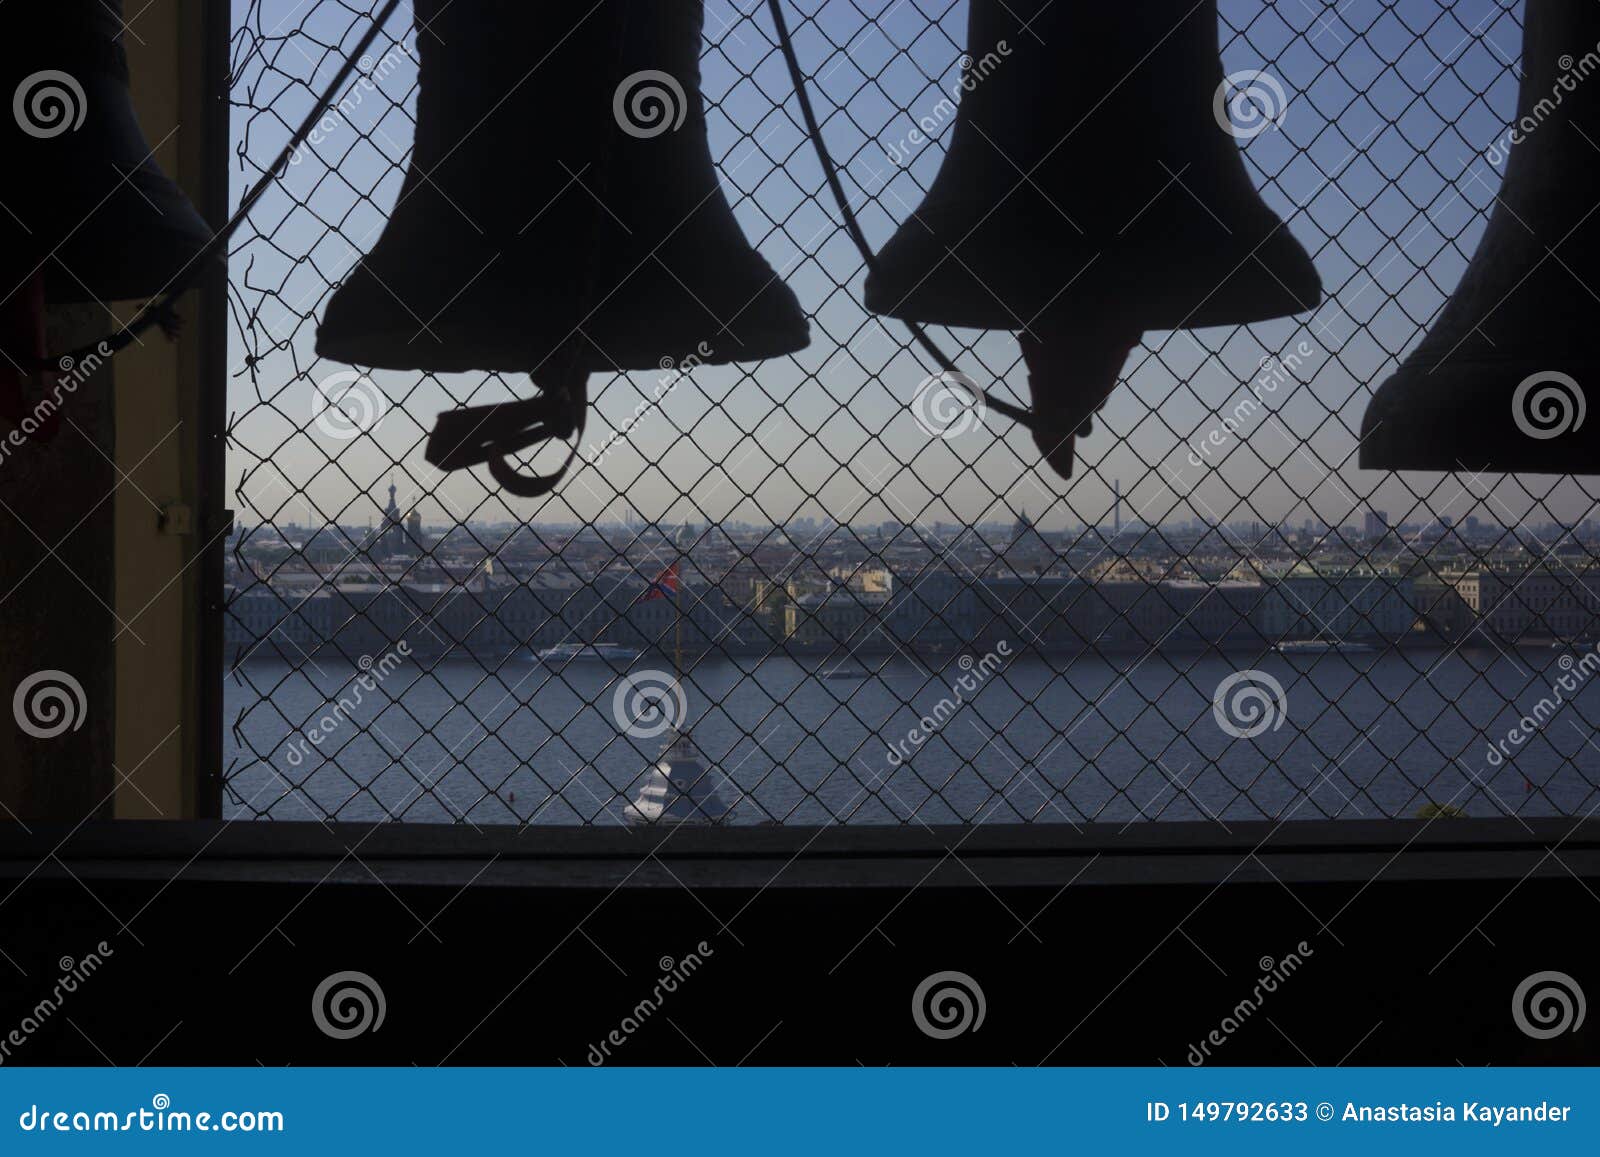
{"x":870,"y":614}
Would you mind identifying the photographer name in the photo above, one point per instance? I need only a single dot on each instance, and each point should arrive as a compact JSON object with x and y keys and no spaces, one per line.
{"x":1475,"y":1111}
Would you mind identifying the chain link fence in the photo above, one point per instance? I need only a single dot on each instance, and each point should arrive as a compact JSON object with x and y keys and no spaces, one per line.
{"x":811,"y":602}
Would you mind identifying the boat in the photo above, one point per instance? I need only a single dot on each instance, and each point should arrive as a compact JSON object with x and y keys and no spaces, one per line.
{"x":610,"y":654}
{"x":845,"y":671}
{"x":1322,"y":647}
{"x":680,"y":788}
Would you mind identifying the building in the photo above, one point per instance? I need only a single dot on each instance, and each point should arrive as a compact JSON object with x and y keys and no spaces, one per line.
{"x":931,"y":610}
{"x":1544,"y":602}
{"x":1219,"y":614}
{"x":1027,"y":549}
{"x":843,"y":618}
{"x":1352,"y":605}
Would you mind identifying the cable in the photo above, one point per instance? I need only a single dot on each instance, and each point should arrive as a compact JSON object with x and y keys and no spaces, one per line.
{"x":164,"y":311}
{"x":797,"y":79}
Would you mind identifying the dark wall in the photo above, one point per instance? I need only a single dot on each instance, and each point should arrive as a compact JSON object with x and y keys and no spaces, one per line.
{"x":531,"y":961}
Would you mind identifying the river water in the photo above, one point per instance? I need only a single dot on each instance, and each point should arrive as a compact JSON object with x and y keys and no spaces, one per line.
{"x":1111,"y":738}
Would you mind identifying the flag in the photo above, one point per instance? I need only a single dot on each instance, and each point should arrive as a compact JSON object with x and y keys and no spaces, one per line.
{"x":664,"y":586}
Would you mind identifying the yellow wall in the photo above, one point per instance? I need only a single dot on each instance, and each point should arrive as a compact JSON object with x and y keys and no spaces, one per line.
{"x":157,"y":435}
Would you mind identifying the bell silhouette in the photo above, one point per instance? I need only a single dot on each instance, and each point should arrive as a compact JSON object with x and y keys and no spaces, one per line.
{"x":561,"y":213}
{"x":1498,"y":383}
{"x":1092,"y":190}
{"x":88,"y":209}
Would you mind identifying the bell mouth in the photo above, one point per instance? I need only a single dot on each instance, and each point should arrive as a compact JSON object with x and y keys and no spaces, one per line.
{"x":1473,"y":417}
{"x":1002,"y":281}
{"x":500,"y":332}
{"x":445,"y":349}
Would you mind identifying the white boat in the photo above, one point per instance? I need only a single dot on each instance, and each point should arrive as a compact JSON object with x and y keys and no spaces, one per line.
{"x":681,"y":788}
{"x":610,"y":654}
{"x":1321,"y":646}
{"x":846,"y":671}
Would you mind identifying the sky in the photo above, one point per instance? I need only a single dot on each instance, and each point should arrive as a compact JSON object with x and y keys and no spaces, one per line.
{"x":1385,"y":188}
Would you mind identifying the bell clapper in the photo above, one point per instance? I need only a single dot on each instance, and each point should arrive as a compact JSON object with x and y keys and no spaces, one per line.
{"x":1071,"y":373}
{"x":563,"y":413}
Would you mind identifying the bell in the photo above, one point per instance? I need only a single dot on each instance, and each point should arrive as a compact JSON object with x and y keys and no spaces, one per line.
{"x":561,"y":213}
{"x":1093,"y":190}
{"x":1498,"y":383}
{"x":86,"y":204}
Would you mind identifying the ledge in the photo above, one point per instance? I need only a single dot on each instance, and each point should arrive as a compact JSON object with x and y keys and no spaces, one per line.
{"x":1033,"y":855}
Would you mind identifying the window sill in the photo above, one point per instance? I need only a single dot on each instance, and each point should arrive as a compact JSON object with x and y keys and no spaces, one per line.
{"x":993,"y":856}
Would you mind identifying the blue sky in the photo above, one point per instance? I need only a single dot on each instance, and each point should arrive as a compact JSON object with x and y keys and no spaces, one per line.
{"x":1377,"y":181}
